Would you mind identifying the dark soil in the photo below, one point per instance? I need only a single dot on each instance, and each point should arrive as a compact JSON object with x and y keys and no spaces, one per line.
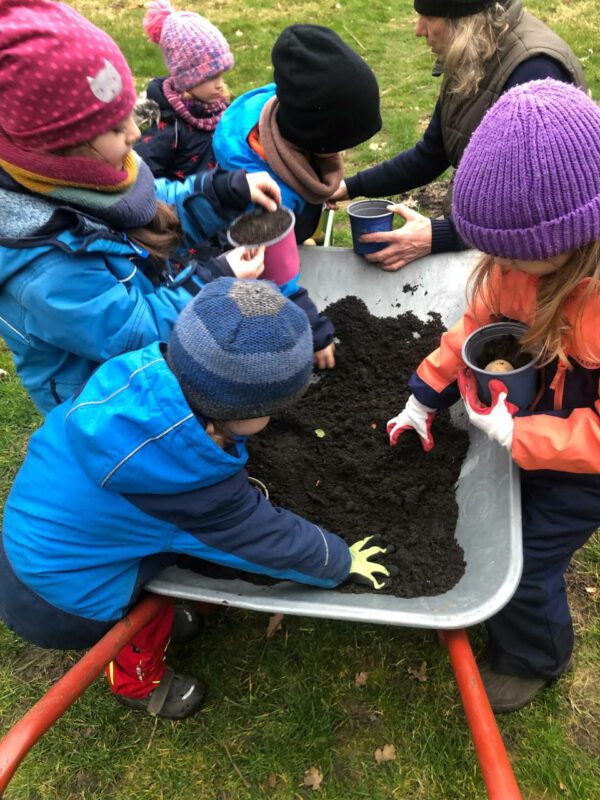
{"x":429,"y":199}
{"x":350,"y":480}
{"x":506,"y":347}
{"x":259,"y":226}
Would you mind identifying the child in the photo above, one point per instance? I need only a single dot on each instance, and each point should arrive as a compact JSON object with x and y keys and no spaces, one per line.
{"x":84,"y":242}
{"x":325,"y":99}
{"x":527,"y":194}
{"x":147,"y":463}
{"x":191,"y":99}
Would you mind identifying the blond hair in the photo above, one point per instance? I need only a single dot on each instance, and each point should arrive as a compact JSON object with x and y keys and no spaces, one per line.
{"x":550,"y":329}
{"x":473,"y":41}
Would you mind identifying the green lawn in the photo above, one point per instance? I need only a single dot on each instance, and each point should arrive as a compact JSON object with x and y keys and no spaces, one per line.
{"x":280,"y":706}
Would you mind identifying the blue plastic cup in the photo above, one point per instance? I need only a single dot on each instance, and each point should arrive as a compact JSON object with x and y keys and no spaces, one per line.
{"x":369,"y":216}
{"x":521,"y":383}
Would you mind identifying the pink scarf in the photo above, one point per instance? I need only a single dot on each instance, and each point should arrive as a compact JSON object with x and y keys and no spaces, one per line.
{"x":211,"y":112}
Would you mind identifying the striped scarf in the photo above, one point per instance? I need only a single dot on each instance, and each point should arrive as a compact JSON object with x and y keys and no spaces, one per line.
{"x":122,"y":198}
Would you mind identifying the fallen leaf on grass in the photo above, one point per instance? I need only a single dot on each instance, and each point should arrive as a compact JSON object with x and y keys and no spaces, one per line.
{"x":271,"y":782}
{"x":421,"y":673}
{"x":274,"y":625}
{"x":313,"y":778}
{"x":385,"y":753}
{"x":591,"y":589}
{"x":360,"y":678}
{"x":3,"y":374}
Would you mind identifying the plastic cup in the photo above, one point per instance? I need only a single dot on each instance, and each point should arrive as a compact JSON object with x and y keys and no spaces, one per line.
{"x":369,"y":216}
{"x":520,"y":383}
{"x":282,"y":259}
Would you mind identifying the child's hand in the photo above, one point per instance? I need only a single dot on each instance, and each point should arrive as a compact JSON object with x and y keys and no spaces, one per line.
{"x":245,"y":262}
{"x":264,"y":190}
{"x":325,"y":358}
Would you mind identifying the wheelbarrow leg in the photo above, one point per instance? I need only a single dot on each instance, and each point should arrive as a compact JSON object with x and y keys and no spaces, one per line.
{"x":497,"y":772}
{"x":32,"y":726}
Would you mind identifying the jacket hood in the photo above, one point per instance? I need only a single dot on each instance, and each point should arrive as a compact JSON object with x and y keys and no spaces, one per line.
{"x":132,"y":431}
{"x":155,"y":92}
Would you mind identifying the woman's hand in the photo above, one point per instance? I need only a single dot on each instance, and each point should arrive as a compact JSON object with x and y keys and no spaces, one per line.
{"x":245,"y":262}
{"x":264,"y":190}
{"x":411,"y":241}
{"x":341,"y":193}
{"x":325,"y":358}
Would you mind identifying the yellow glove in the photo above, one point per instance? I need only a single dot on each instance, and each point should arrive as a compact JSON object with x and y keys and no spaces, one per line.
{"x":362,"y":569}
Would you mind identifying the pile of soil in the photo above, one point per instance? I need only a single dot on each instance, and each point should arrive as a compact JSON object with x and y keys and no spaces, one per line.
{"x":505,"y":348}
{"x":328,"y":457}
{"x":259,"y":226}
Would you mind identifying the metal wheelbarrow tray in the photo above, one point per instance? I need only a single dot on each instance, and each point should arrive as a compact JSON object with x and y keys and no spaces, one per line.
{"x":488,"y":493}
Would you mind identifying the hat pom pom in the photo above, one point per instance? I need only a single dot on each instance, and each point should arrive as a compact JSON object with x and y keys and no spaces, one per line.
{"x":158,"y":11}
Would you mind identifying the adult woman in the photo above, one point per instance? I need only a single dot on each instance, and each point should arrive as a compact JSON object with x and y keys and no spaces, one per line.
{"x":483,"y":48}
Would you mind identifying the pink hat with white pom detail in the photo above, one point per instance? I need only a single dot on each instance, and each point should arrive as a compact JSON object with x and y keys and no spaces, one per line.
{"x":193,"y":48}
{"x":63,"y":81}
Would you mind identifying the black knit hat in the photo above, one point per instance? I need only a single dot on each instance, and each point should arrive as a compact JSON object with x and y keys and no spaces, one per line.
{"x":328,"y":95}
{"x":451,"y":8}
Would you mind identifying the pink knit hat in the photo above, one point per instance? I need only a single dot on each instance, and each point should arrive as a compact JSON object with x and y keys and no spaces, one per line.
{"x":193,"y":49}
{"x":62,"y":80}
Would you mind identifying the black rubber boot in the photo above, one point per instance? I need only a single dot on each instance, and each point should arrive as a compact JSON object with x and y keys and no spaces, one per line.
{"x":187,"y":623}
{"x":508,"y":693}
{"x":175,"y":697}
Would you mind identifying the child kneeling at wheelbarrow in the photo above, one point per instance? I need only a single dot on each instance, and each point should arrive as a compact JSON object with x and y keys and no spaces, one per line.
{"x":145,"y":464}
{"x":527,"y":193}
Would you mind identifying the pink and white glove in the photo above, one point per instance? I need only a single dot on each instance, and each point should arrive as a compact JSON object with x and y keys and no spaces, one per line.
{"x":496,"y":420}
{"x":414,"y":416}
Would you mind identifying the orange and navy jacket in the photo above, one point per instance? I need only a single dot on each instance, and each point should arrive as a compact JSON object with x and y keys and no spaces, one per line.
{"x":561,"y":432}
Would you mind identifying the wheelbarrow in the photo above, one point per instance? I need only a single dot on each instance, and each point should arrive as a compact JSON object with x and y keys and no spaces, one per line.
{"x":488,"y":529}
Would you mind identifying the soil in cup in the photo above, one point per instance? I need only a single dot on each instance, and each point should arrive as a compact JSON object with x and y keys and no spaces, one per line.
{"x":506,"y":348}
{"x":259,"y":228}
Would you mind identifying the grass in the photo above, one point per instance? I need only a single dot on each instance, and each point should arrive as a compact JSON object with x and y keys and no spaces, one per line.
{"x":277,"y":707}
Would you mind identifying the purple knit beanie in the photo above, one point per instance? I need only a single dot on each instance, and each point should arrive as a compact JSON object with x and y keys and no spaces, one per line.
{"x":528,"y":184}
{"x":193,"y":48}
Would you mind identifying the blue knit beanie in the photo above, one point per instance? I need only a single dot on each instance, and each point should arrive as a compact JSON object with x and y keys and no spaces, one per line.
{"x":241,"y":350}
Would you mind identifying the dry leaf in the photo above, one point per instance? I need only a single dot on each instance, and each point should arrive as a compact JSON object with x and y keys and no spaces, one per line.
{"x":421,"y":673}
{"x":385,"y":753}
{"x":313,"y":779}
{"x":274,"y":625}
{"x":360,"y":678}
{"x":591,"y":589}
{"x":271,"y":782}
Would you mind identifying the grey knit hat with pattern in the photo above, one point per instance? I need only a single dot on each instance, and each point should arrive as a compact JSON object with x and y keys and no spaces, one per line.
{"x":241,"y":350}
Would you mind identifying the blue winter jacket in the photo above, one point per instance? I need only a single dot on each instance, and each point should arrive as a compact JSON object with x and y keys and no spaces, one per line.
{"x":232,"y":151}
{"x":74,"y":292}
{"x":230,"y":145}
{"x":120,"y":480}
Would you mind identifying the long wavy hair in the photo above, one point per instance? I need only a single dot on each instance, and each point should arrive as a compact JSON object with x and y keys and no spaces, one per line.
{"x":162,"y":235}
{"x":473,"y":41}
{"x":550,"y":329}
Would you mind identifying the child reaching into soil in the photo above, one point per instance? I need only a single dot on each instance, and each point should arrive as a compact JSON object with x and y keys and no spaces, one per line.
{"x":147,"y":464}
{"x":191,"y":99}
{"x":86,"y":235}
{"x":527,"y":194}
